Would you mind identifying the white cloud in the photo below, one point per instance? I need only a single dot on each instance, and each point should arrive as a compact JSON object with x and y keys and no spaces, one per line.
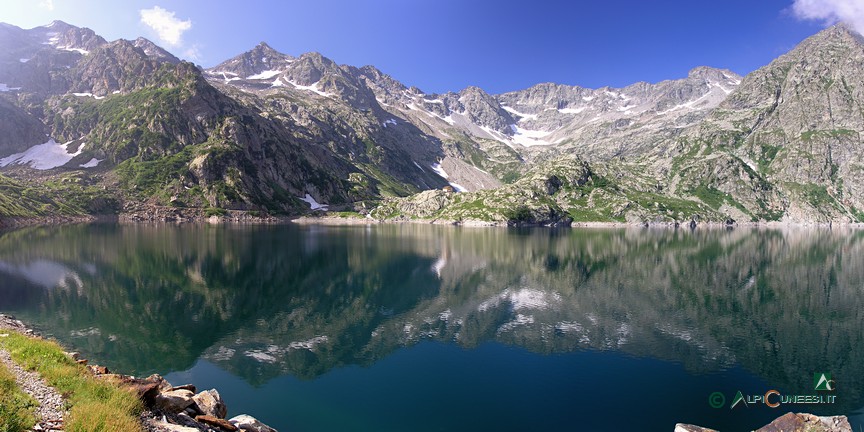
{"x":47,"y":5}
{"x":169,"y":29}
{"x":193,"y":53}
{"x":850,"y":12}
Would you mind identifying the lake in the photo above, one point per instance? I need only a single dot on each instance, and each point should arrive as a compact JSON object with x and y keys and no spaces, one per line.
{"x":439,"y":328}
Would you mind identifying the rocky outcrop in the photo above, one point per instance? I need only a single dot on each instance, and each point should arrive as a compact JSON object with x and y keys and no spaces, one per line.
{"x":179,"y":408}
{"x":789,"y":422}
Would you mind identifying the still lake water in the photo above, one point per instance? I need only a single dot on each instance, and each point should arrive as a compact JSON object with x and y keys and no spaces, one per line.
{"x":428,"y":328}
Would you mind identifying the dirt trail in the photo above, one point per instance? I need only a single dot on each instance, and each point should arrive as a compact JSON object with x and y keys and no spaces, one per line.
{"x":51,"y":408}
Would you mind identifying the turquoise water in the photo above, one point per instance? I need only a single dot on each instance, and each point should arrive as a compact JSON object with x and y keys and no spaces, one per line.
{"x":394,"y":328}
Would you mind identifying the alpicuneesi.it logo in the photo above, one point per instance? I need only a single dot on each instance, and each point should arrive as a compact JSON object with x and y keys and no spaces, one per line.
{"x":822,"y":383}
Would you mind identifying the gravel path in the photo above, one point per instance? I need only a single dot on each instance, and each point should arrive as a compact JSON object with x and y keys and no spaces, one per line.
{"x":50,"y":411}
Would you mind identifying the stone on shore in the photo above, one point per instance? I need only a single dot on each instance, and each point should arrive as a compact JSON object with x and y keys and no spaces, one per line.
{"x":210,"y":403}
{"x":216,"y":422}
{"x":174,"y":401}
{"x":248,"y":423}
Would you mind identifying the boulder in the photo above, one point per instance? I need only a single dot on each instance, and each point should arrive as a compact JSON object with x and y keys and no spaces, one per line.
{"x":174,"y":401}
{"x":190,"y":387}
{"x":248,"y":423}
{"x":217,"y":422}
{"x":210,"y":403}
{"x":147,"y":388}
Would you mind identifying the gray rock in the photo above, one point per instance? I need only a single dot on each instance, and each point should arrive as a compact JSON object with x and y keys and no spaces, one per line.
{"x":174,"y":401}
{"x":210,"y":403}
{"x":250,"y":424}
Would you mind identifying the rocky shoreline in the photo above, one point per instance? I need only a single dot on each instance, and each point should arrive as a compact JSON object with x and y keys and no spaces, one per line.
{"x":338,"y":220}
{"x":168,"y":408}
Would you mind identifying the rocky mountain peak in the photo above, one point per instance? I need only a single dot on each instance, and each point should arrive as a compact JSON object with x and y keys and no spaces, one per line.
{"x":713,"y":74}
{"x":155,"y":51}
{"x":260,"y":59}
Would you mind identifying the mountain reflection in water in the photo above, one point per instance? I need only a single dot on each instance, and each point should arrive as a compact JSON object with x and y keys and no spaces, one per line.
{"x":267,"y":301}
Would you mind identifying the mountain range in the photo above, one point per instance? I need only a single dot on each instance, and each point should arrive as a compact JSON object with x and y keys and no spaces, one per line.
{"x":89,"y":126}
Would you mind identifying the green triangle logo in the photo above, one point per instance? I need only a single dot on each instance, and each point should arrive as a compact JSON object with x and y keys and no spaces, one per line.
{"x":739,"y":397}
{"x":823,"y":382}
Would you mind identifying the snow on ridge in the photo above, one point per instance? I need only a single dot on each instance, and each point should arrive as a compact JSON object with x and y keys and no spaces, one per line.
{"x":43,"y":156}
{"x":315,"y":205}
{"x":264,"y":75}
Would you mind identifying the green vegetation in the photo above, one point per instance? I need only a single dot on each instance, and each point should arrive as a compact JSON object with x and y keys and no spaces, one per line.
{"x":69,"y":195}
{"x":808,"y":136}
{"x":715,"y":198}
{"x":347,"y":214}
{"x":16,"y":408}
{"x":519,"y":214}
{"x":95,"y":405}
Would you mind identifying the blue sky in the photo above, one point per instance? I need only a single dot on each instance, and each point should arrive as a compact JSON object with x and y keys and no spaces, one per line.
{"x":443,"y":45}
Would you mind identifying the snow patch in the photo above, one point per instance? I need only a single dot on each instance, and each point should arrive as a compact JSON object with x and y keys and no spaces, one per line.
{"x":24,"y":60}
{"x":571,"y":110}
{"x":43,"y":156}
{"x":313,"y":204}
{"x":78,"y":50}
{"x":88,"y":94}
{"x":392,"y":121}
{"x":92,"y":163}
{"x":438,"y":170}
{"x":520,"y":114}
{"x":277,"y":83}
{"x":528,"y":138}
{"x":418,"y":166}
{"x":458,"y":187}
{"x":5,"y":88}
{"x":312,"y":88}
{"x":264,"y":75}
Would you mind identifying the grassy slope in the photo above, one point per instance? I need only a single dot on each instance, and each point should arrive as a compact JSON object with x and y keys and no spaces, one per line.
{"x":95,"y":405}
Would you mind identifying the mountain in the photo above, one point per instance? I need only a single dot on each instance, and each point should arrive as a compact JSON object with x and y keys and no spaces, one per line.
{"x":128,"y":123}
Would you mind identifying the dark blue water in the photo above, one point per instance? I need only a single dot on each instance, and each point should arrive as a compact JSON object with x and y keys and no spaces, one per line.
{"x":393,"y":328}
